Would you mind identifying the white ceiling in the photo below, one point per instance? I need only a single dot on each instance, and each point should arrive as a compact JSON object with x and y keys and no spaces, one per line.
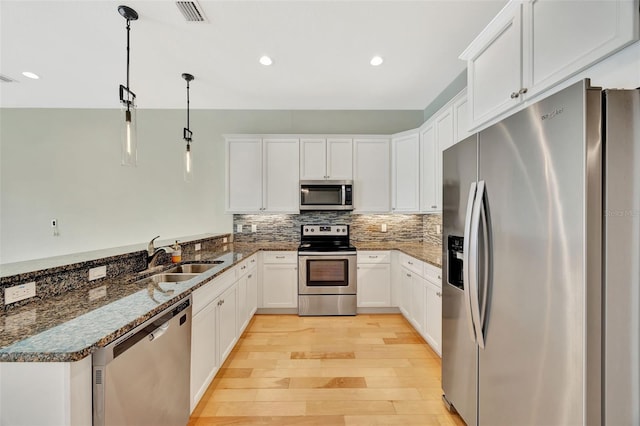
{"x":321,"y":52}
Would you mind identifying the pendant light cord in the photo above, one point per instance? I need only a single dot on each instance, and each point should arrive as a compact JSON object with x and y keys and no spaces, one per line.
{"x":128,"y":92}
{"x":188,"y":128}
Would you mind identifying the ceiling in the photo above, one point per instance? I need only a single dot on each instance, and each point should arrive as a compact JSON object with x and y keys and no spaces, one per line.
{"x":320,"y":49}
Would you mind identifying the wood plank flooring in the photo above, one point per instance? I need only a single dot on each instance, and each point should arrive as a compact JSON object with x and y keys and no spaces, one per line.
{"x":362,"y":370}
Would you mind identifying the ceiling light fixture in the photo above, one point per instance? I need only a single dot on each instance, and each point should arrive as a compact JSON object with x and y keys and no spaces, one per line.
{"x":376,"y":60}
{"x":187,"y":135}
{"x":30,"y":74}
{"x":266,"y":61}
{"x":128,"y":104}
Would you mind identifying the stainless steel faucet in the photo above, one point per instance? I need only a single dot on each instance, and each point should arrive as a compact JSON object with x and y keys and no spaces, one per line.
{"x":152,"y":253}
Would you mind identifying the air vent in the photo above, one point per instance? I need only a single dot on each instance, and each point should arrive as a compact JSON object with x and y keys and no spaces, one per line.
{"x":98,"y":377}
{"x":5,"y":79}
{"x":191,"y":11}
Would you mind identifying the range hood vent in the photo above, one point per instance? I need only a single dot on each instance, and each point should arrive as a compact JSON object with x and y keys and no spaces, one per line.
{"x":5,"y":79}
{"x":191,"y":11}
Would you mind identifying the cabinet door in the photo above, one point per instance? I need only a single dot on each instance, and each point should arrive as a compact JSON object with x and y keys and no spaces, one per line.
{"x":227,"y":322}
{"x":444,"y":139}
{"x":405,"y":172}
{"x":418,"y":303}
{"x":405,"y":293}
{"x":461,"y":118}
{"x":433,"y":326}
{"x":281,"y":188}
{"x":567,"y":36}
{"x":243,"y":310}
{"x":374,"y":285}
{"x":428,"y":149}
{"x":252,"y":293}
{"x":244,"y":175}
{"x":340,"y":159}
{"x":494,"y":66}
{"x":371,"y":175}
{"x":313,"y":159}
{"x":280,"y":286}
{"x":203,"y":352}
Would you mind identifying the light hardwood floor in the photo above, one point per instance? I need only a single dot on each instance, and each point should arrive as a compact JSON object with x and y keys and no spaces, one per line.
{"x":362,"y":370}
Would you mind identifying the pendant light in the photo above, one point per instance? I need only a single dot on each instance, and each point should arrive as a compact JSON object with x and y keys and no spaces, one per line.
{"x":187,"y":136}
{"x":128,"y":133}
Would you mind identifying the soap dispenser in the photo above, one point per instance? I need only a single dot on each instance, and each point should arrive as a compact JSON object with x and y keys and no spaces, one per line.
{"x":176,"y":254}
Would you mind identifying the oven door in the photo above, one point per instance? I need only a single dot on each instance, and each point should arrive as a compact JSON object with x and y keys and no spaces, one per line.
{"x":327,"y":273}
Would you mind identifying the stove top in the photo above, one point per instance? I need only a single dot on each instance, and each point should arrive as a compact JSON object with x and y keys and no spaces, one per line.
{"x":325,"y":238}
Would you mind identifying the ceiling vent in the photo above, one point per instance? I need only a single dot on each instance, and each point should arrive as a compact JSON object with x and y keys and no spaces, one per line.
{"x":5,"y":79}
{"x":191,"y":11}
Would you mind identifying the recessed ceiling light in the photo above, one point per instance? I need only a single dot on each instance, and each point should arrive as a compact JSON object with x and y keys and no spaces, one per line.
{"x":376,"y":60}
{"x":31,"y":75}
{"x":265,"y":60}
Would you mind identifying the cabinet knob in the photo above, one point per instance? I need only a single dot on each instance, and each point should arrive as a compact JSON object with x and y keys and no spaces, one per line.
{"x":434,"y":207}
{"x":250,"y":275}
{"x":514,"y":95}
{"x":410,"y":263}
{"x":523,"y":90}
{"x":439,"y":294}
{"x":439,"y":277}
{"x":409,"y":275}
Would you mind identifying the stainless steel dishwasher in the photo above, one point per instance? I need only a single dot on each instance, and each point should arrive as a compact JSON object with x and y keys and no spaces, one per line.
{"x":142,"y":378}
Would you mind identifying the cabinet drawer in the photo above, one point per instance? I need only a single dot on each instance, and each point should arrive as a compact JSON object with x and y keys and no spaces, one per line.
{"x":208,"y":292}
{"x":279,"y":257}
{"x":412,"y":264}
{"x":383,"y":256}
{"x":433,"y":274}
{"x":252,"y":262}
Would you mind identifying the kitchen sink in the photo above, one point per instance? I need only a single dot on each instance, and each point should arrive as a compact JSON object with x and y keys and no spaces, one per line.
{"x":193,"y":268}
{"x":171,"y":277}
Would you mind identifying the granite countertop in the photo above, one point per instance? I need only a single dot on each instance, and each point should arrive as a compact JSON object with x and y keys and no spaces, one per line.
{"x":427,"y":252}
{"x":71,"y":326}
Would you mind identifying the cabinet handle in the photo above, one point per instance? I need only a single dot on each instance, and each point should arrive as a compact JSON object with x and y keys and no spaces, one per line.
{"x":410,"y":263}
{"x":439,"y":294}
{"x":243,"y":267}
{"x":514,"y":95}
{"x":434,"y":207}
{"x":279,"y":257}
{"x":409,"y":275}
{"x":250,"y":275}
{"x":523,"y":90}
{"x":373,"y":257}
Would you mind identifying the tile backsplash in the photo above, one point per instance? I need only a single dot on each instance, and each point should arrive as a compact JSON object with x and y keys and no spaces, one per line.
{"x":364,"y":228}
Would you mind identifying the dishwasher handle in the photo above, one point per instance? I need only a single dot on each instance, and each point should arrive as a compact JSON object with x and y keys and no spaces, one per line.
{"x":158,"y":332}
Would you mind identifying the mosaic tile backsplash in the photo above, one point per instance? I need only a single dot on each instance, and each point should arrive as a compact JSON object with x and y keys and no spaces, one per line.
{"x":364,"y":228}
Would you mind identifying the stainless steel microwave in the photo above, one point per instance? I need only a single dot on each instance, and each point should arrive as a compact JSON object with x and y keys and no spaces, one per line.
{"x":326,"y":195}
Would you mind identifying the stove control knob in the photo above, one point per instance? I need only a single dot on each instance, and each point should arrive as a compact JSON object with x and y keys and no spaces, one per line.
{"x":306,"y":229}
{"x":312,"y":230}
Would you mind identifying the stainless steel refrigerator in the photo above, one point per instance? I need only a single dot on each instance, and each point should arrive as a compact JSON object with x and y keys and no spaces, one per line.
{"x":541,"y":264}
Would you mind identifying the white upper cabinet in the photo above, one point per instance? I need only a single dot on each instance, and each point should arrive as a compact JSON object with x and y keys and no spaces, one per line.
{"x":244,"y":175}
{"x":428,"y":181}
{"x":330,"y":158}
{"x":494,"y":66}
{"x":371,"y":175}
{"x":461,"y":116}
{"x":405,"y":172}
{"x":260,"y":177}
{"x":532,"y":45}
{"x":281,"y":182}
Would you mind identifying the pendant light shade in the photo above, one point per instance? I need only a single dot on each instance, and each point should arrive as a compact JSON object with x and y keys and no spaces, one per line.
{"x":128,"y":131}
{"x":187,"y":136}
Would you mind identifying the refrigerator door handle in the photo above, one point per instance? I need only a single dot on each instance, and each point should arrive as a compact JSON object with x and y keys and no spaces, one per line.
{"x":473,"y":263}
{"x":484,"y":290}
{"x":465,"y":259}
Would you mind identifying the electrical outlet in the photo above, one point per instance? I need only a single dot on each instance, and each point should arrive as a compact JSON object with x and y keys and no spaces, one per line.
{"x":98,"y":293}
{"x":54,"y":223}
{"x":19,"y":292}
{"x":254,"y":228}
{"x":438,"y":229}
{"x":198,"y":257}
{"x":224,"y":240}
{"x":383,"y":227}
{"x":198,"y":247}
{"x":96,"y":273}
{"x":239,"y":228}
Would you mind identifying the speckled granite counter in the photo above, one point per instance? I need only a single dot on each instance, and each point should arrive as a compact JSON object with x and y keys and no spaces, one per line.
{"x":69,"y":327}
{"x":427,"y":252}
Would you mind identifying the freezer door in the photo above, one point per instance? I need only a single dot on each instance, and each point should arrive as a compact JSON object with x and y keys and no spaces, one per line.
{"x":459,"y":353}
{"x":534,"y":164}
{"x":622,"y":251}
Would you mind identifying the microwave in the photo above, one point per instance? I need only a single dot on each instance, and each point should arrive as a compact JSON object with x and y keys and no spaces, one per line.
{"x":326,"y":195}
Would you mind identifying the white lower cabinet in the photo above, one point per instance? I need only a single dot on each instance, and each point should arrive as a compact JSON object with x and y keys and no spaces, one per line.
{"x":374,"y":279}
{"x":279,"y":279}
{"x":227,"y":325}
{"x":420,"y":298}
{"x":204,"y":363}
{"x":252,"y":293}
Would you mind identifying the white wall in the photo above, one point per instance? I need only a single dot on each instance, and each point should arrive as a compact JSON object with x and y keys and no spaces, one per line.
{"x":65,"y":164}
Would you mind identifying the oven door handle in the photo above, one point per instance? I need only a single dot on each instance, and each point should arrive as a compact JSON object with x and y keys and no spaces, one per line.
{"x":326,"y":253}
